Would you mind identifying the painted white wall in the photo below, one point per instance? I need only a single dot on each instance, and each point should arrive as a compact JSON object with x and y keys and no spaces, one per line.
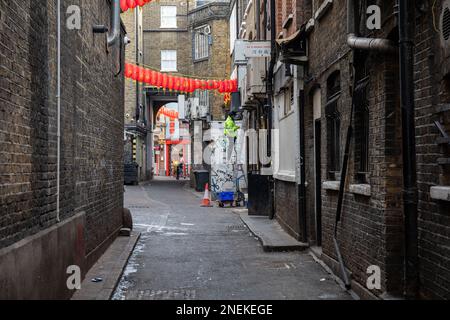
{"x":233,"y":31}
{"x":285,"y":162}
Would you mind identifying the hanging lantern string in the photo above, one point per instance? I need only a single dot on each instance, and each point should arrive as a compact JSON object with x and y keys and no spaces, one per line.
{"x":125,"y":5}
{"x":177,"y":74}
{"x":170,"y":82}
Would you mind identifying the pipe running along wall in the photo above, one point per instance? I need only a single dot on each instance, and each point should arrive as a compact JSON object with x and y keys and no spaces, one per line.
{"x":361,"y":43}
{"x":58,"y":103}
{"x":114,"y":34}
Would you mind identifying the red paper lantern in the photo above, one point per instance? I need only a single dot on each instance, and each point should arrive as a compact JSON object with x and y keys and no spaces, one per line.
{"x":176,"y":84}
{"x":148,"y":76}
{"x":124,"y":5}
{"x":128,"y":70}
{"x":141,"y":74}
{"x":154,"y":78}
{"x":235,"y":85}
{"x":140,"y":3}
{"x":131,"y":4}
{"x":196,"y":84}
{"x":159,"y":79}
{"x":135,"y":75}
{"x":164,"y":81}
{"x":222,"y":86}
{"x":170,"y":83}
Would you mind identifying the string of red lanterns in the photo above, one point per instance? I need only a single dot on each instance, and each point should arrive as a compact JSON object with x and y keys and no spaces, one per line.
{"x":131,"y":4}
{"x":175,"y":83}
{"x":172,"y":114}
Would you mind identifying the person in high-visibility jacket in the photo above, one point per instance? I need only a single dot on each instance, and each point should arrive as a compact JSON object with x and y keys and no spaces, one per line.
{"x":231,"y":132}
{"x":231,"y":128}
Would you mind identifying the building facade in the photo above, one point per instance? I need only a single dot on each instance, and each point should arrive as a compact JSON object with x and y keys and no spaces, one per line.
{"x":185,"y":38}
{"x":337,"y":104}
{"x":43,"y":232}
{"x":138,"y":164}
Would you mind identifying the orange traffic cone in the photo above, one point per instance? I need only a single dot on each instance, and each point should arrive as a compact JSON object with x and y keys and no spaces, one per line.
{"x":206,"y":202}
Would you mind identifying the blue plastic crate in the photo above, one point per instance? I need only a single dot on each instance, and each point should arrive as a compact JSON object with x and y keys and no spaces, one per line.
{"x":226,"y":196}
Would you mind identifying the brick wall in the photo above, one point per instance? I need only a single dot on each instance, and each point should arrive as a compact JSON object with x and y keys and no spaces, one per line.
{"x":286,"y":207}
{"x":370,"y":232}
{"x":432,"y":70}
{"x":92,"y":123}
{"x":169,"y":39}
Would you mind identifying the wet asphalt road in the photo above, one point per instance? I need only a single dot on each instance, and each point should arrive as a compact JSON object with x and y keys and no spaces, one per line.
{"x":192,"y":253}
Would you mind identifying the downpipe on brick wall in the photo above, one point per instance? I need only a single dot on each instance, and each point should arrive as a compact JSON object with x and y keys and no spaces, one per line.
{"x":410,"y":196}
{"x":361,"y":43}
{"x":270,"y":95}
{"x":114,"y":34}
{"x":58,"y":103}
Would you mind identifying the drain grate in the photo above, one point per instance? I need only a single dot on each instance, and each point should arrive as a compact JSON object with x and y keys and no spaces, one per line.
{"x":237,"y":228}
{"x":138,"y":207}
{"x":175,"y":294}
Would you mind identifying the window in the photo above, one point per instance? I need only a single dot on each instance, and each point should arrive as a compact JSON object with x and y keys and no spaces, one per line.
{"x":333,"y":124}
{"x":168,"y":60}
{"x":361,"y":118}
{"x":168,"y":16}
{"x":199,"y":3}
{"x":361,"y":130}
{"x":201,"y":43}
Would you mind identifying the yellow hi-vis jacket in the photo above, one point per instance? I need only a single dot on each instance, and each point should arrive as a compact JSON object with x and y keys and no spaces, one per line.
{"x":231,"y":128}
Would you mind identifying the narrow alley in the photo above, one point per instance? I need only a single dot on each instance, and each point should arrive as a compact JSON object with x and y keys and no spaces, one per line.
{"x":192,"y":253}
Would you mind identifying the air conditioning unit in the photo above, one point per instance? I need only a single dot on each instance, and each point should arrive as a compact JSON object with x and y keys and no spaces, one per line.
{"x":256,"y":74}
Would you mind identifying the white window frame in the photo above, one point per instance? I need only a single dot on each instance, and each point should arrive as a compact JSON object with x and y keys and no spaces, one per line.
{"x":165,"y":60}
{"x":201,"y":44}
{"x":168,"y":21}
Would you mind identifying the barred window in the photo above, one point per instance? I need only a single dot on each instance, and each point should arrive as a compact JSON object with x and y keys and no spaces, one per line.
{"x":333,"y":124}
{"x":201,"y":43}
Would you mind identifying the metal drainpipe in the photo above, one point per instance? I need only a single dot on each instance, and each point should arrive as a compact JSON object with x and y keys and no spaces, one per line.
{"x":406,"y":42}
{"x":356,"y":42}
{"x":58,"y":102}
{"x":138,"y":87}
{"x":258,"y":19}
{"x":114,"y":35}
{"x":302,"y":187}
{"x":270,"y":91}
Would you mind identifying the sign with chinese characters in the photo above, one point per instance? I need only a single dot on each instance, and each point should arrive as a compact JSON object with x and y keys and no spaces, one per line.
{"x":257,"y":49}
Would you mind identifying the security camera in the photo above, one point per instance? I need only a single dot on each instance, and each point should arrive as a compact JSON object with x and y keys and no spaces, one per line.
{"x":126,"y":40}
